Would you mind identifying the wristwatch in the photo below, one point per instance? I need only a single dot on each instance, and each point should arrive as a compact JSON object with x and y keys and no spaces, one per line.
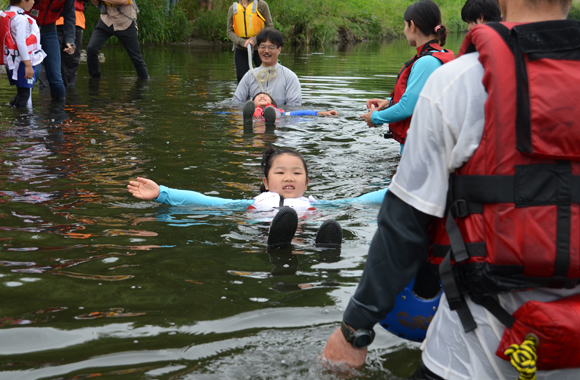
{"x":361,"y":338}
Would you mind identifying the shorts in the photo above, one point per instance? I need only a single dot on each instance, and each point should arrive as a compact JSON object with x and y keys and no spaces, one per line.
{"x":21,"y":81}
{"x":204,"y":1}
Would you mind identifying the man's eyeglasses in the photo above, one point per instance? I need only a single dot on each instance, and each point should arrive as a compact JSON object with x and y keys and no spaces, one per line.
{"x":267,"y":47}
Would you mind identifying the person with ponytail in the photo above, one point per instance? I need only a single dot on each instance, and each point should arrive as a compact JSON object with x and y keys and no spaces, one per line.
{"x":423,"y":30}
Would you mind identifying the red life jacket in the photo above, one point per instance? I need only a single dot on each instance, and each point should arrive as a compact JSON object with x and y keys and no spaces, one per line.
{"x":514,"y":207}
{"x":79,"y":6}
{"x":46,"y":12}
{"x":399,"y":129}
{"x":9,"y":47}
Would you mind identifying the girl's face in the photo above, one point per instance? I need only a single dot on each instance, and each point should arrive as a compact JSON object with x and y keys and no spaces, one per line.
{"x":262,"y":100}
{"x":287,"y":176}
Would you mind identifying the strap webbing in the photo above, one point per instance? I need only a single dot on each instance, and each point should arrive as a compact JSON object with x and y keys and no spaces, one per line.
{"x":454,"y":297}
{"x":497,"y":310}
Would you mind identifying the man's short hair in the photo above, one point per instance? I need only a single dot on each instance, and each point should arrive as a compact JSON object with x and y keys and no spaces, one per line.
{"x":474,"y":9}
{"x":15,"y":3}
{"x":273,"y":35}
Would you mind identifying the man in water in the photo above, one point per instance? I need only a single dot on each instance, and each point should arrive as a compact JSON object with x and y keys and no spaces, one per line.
{"x":457,"y":128}
{"x":476,"y":12}
{"x":273,"y":78}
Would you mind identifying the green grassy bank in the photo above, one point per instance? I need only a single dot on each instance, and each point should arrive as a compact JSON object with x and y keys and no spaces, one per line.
{"x":302,"y":22}
{"x":319,"y":21}
{"x":312,"y":22}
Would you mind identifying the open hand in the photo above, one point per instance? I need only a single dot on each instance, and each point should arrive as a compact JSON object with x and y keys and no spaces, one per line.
{"x":339,"y":351}
{"x":327,"y":113}
{"x":144,"y":189}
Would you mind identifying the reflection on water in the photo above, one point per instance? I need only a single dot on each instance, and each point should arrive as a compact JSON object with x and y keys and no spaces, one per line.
{"x":96,"y":283}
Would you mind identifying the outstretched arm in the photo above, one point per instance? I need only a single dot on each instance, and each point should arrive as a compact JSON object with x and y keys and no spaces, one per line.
{"x":327,"y":113}
{"x":376,"y":196}
{"x":144,"y":189}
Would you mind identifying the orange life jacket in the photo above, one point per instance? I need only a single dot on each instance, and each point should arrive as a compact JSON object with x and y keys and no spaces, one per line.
{"x":247,"y":22}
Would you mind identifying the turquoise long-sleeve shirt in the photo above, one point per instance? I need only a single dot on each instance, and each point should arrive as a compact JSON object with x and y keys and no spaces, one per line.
{"x":175,"y":197}
{"x":420,"y":72}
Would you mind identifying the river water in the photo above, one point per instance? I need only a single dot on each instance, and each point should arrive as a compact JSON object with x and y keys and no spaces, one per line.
{"x":94,"y":282}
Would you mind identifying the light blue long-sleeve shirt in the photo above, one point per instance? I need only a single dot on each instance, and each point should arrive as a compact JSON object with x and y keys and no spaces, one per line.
{"x":420,"y":72}
{"x":175,"y":197}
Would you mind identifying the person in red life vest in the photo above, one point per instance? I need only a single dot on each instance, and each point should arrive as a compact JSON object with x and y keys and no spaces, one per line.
{"x":21,"y":49}
{"x":46,"y":12}
{"x":496,"y":147}
{"x":246,"y":18}
{"x":70,"y":62}
{"x":476,"y":12}
{"x":423,"y":29}
{"x":119,"y":19}
{"x":260,"y":105}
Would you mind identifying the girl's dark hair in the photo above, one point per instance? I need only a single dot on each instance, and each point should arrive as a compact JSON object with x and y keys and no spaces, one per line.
{"x":426,"y":16}
{"x":268,"y":158}
{"x":272,"y":101}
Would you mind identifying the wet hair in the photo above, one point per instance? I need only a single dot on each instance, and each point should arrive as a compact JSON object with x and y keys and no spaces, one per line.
{"x":474,"y":9}
{"x":272,"y":35}
{"x":268,"y":158}
{"x":426,"y":16}
{"x":272,"y":101}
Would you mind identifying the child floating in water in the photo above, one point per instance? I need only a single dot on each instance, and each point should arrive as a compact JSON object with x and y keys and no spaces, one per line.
{"x":264,"y":106}
{"x":282,"y":190}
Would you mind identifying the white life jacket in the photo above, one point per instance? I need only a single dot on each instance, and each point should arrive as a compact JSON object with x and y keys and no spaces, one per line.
{"x":270,"y":201}
{"x":10,"y":53}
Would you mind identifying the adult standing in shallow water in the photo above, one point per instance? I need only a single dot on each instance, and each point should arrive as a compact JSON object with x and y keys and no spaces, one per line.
{"x":278,"y":81}
{"x":508,"y":246}
{"x":246,"y":19}
{"x":423,"y":29}
{"x":46,"y":12}
{"x":70,"y":62}
{"x":119,"y":19}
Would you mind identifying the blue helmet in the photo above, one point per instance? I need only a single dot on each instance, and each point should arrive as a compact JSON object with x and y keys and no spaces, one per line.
{"x":412,"y":314}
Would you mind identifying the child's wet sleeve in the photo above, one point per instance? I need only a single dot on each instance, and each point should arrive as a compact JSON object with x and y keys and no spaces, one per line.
{"x":175,"y":197}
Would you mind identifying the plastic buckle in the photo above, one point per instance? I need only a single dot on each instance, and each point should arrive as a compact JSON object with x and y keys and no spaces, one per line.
{"x":388,"y":135}
{"x":459,"y":208}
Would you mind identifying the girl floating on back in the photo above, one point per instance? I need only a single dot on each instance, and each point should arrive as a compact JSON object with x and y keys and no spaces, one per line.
{"x":282,"y":190}
{"x":263,"y":106}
